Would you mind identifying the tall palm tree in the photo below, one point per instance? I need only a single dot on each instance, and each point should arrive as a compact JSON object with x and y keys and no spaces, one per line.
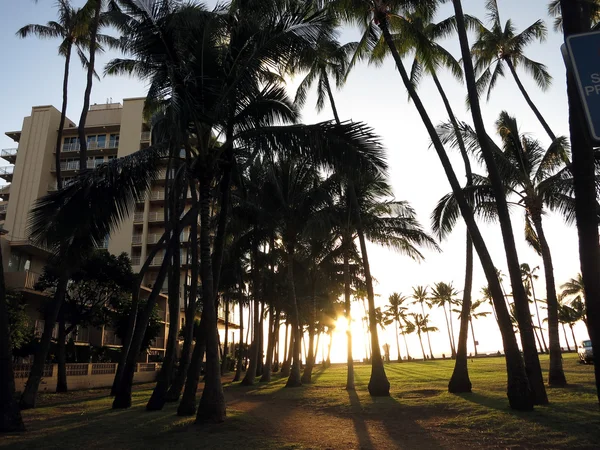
{"x":539,"y":179}
{"x":421,"y":324}
{"x":72,"y":27}
{"x":374,"y":19}
{"x":531,"y":357}
{"x":529,"y":276}
{"x":395,"y":312}
{"x":500,"y":45}
{"x":593,"y":12}
{"x":577,"y":17}
{"x":473,"y":314}
{"x":574,"y":287}
{"x":421,"y":296}
{"x":443,"y":294}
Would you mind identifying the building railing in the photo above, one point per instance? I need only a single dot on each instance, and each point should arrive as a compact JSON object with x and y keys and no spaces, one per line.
{"x":136,"y":261}
{"x":157,"y":260}
{"x":7,"y":170}
{"x":138,"y":217}
{"x":158,"y":343}
{"x":82,"y":369}
{"x":156,"y":216}
{"x":77,"y":370}
{"x":157,"y":195}
{"x":145,"y":136}
{"x":153,"y":238}
{"x":8,"y":152}
{"x":3,"y":208}
{"x":22,"y":370}
{"x":106,"y":145}
{"x":31,"y":278}
{"x":136,"y":239}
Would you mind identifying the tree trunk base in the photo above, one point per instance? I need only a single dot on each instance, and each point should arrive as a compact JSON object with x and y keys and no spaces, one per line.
{"x":307,"y":375}
{"x":460,"y":382}
{"x":121,"y":401}
{"x":247,"y":382}
{"x":266,"y":377}
{"x":60,"y":388}
{"x":157,"y":400}
{"x":186,"y":408}
{"x":557,"y":379}
{"x":379,"y":386}
{"x":520,"y":396}
{"x":211,"y":409}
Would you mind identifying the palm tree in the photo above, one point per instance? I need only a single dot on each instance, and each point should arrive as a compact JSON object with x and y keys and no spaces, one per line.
{"x":473,"y":314}
{"x":421,"y":296}
{"x":395,"y":313}
{"x":593,"y":12}
{"x":498,"y":46}
{"x":486,"y":297}
{"x":443,"y":295}
{"x":575,"y":287}
{"x":539,"y":179}
{"x":72,"y":27}
{"x":577,"y":17}
{"x":421,"y":324}
{"x":528,"y":277}
{"x":374,"y":18}
{"x":531,"y":357}
{"x":570,"y":316}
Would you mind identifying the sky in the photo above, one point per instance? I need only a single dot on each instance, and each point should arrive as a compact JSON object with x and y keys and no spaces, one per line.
{"x":33,"y":73}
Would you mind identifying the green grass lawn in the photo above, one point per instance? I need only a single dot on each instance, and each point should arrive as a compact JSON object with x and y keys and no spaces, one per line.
{"x":419,"y":412}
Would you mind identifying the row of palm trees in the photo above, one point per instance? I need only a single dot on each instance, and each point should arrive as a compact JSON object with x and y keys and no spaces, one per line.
{"x":271,"y":191}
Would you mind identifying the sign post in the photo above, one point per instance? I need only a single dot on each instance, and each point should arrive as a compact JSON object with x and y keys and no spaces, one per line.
{"x":583,"y":51}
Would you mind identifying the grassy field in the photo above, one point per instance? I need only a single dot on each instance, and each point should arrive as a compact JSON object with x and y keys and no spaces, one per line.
{"x":419,"y":414}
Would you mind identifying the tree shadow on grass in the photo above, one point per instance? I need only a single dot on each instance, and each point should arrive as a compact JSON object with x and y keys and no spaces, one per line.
{"x":360,"y":426}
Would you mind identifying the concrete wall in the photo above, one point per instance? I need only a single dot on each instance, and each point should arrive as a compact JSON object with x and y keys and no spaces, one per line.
{"x":107,"y":114}
{"x":129,"y":142}
{"x":32,"y":168}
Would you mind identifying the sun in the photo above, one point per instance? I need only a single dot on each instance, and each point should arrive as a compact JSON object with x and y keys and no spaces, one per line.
{"x":341,"y":325}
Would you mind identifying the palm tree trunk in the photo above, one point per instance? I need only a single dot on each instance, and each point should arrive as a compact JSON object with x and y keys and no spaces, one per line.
{"x":422,"y":348}
{"x":573,"y":334}
{"x":63,"y":116}
{"x":88,"y":87}
{"x":585,"y":186}
{"x":294,"y":379}
{"x":397,"y":341}
{"x":123,"y":392}
{"x":187,"y":405}
{"x":347,"y":306}
{"x":452,"y":351}
{"x":10,"y":415}
{"x":254,"y":349}
{"x":39,"y":360}
{"x":556,"y":374}
{"x":61,"y":355}
{"x":277,"y":341}
{"x":159,"y":394}
{"x":460,"y":382}
{"x":311,"y":356}
{"x":532,"y":361}
{"x":268,"y":365}
{"x":285,"y":349}
{"x":225,"y":342}
{"x":406,"y":345}
{"x":537,"y":312}
{"x":212,"y":403}
{"x":567,"y":339}
{"x":518,"y":389}
{"x":379,"y":386}
{"x":190,"y":314}
{"x":536,"y":111}
{"x":240,"y":354}
{"x":328,"y":359}
{"x":473,"y":335}
{"x":451,"y":328}
{"x":428,"y":338}
{"x":287,"y":365}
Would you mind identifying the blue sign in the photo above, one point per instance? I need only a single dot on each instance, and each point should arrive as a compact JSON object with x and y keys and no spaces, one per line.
{"x":584,"y":54}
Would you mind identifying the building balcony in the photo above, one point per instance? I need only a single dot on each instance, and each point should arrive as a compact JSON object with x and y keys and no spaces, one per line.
{"x":9,"y":154}
{"x":136,"y":260}
{"x":158,"y":343}
{"x":138,"y":217}
{"x":67,"y":166}
{"x":153,"y":238}
{"x":25,"y":279}
{"x":156,"y":216}
{"x":3,"y":208}
{"x":6,"y":173}
{"x":92,"y":147}
{"x":136,"y":239}
{"x":145,"y":136}
{"x":52,"y":187}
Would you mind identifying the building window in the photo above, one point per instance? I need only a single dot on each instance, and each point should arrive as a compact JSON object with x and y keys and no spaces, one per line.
{"x":18,"y":262}
{"x":113,"y":141}
{"x":96,"y":141}
{"x":71,"y":144}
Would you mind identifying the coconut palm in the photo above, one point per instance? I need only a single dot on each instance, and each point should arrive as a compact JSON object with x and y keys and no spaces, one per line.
{"x":473,"y":314}
{"x":531,"y":358}
{"x":568,"y":315}
{"x":574,"y":287}
{"x":444,"y":295}
{"x":593,"y":11}
{"x":72,"y":27}
{"x":539,"y":179}
{"x":529,"y":276}
{"x":374,"y":18}
{"x":496,"y":46}
{"x":395,"y":313}
{"x":421,"y":296}
{"x":421,"y":324}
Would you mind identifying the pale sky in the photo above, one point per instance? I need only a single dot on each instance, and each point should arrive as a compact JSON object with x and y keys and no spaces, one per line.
{"x":33,"y":72}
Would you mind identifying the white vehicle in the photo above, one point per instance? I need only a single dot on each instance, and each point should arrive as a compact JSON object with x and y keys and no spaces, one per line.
{"x":586,"y":355}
